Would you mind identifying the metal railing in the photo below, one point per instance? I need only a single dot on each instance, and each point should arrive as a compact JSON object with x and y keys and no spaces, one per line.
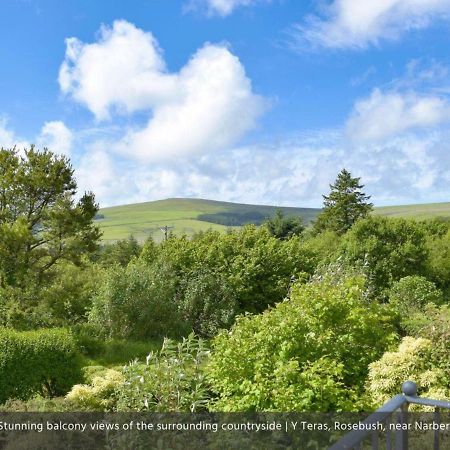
{"x":396,"y":432}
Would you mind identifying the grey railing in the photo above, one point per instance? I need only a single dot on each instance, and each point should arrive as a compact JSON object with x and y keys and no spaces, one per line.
{"x":396,"y":430}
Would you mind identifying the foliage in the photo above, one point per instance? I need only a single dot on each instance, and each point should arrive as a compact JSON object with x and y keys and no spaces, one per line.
{"x":40,"y":222}
{"x":120,"y":252}
{"x":100,"y":394}
{"x":308,"y":353}
{"x":412,"y":361}
{"x":438,"y":263}
{"x":345,"y":204}
{"x":411,"y":294}
{"x":389,"y":249}
{"x":172,"y":380}
{"x":136,"y":302}
{"x":32,"y":362}
{"x":322,"y":248}
{"x":284,"y":227}
{"x":231,"y":219}
{"x":36,"y":404}
{"x":207,"y":303}
{"x":256,"y":266}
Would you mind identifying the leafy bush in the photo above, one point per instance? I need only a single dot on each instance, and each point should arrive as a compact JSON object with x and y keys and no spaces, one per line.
{"x":411,"y":294}
{"x":172,"y":379}
{"x":389,"y":249}
{"x":100,"y":394}
{"x":42,"y":362}
{"x":308,"y":353}
{"x":207,"y":303}
{"x":136,"y":302}
{"x":438,"y":263}
{"x":412,"y":361}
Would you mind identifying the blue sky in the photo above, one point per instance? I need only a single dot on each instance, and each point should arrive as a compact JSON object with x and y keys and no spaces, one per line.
{"x":257,"y":101}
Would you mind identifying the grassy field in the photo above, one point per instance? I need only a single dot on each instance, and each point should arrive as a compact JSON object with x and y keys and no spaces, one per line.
{"x":145,"y":219}
{"x":423,"y":211}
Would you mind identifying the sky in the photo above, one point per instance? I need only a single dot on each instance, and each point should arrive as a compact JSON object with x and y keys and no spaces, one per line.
{"x":250,"y":101}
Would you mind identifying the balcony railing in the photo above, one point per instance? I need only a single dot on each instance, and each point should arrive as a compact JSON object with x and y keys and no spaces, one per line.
{"x":395,"y":409}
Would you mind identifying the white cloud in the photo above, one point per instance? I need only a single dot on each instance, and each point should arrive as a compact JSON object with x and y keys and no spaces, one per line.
{"x":386,"y":114}
{"x":208,"y":105}
{"x":357,"y":24}
{"x":295,"y":172}
{"x":123,"y":70}
{"x":215,"y":108}
{"x":56,"y":137}
{"x":8,"y":139}
{"x":219,"y":7}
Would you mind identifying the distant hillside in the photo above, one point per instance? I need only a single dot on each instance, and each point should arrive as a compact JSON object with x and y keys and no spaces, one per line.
{"x":191,"y":215}
{"x":419,"y":211}
{"x":185,"y":216}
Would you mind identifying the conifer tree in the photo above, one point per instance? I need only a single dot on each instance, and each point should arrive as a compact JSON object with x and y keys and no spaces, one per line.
{"x":345,"y":204}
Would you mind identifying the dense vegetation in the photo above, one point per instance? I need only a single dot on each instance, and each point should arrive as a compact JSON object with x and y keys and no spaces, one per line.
{"x":275,"y":317}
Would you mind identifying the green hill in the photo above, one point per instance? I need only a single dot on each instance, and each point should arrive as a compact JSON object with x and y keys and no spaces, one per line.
{"x":185,"y":216}
{"x":420,"y":211}
{"x":190,"y":215}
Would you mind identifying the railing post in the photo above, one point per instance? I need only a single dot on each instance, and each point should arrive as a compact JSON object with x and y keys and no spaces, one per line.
{"x":409,"y":389}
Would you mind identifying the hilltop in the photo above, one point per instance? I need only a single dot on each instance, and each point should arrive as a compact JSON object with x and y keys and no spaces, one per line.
{"x":188,"y":216}
{"x":185,"y":216}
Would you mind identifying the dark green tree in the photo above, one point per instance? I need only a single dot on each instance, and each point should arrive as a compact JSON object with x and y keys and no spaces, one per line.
{"x":345,"y":204}
{"x":41,"y":222}
{"x":283,"y":227}
{"x":120,"y":252}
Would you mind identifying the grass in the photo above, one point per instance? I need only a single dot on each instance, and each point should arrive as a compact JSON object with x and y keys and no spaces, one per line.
{"x":115,"y":352}
{"x":420,"y":211}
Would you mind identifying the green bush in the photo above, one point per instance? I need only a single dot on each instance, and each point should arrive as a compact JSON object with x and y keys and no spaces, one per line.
{"x":137,"y":302}
{"x":207,"y":303}
{"x":42,"y":362}
{"x":439,"y":261}
{"x":310,"y":352}
{"x":388,"y":249}
{"x":411,"y":294}
{"x":172,"y":380}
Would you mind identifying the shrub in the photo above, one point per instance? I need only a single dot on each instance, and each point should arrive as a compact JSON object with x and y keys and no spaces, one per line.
{"x":137,"y":302}
{"x":439,"y":261}
{"x":411,"y":294}
{"x":389,"y":249}
{"x":100,"y":394}
{"x":310,"y":352}
{"x":412,"y":361}
{"x":207,"y":303}
{"x":172,"y":380}
{"x":42,"y":362}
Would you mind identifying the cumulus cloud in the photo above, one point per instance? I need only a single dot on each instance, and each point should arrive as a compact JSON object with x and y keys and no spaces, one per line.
{"x":219,"y":7}
{"x":208,"y":105}
{"x":355,"y":24}
{"x":124,"y":70}
{"x":215,"y":108}
{"x":386,"y":114}
{"x":56,"y":137}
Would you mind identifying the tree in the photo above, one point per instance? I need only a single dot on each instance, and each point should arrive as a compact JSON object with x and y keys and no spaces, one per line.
{"x":345,"y":204}
{"x":388,"y":249}
{"x":41,"y":223}
{"x":284,"y":227}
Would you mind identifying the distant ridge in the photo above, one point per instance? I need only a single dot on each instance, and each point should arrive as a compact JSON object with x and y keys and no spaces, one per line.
{"x":189,"y":215}
{"x":186,"y":215}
